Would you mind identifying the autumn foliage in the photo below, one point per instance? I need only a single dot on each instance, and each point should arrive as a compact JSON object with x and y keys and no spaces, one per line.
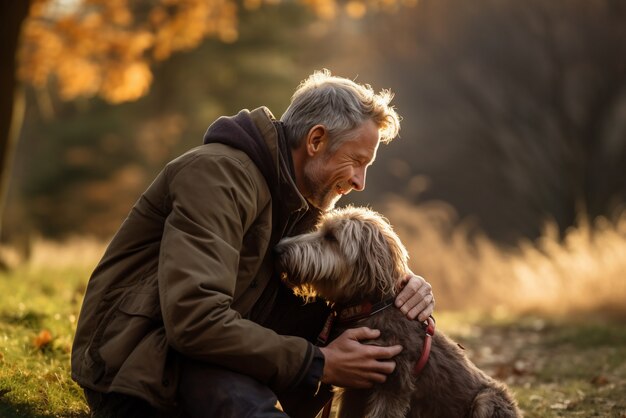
{"x":106,"y":47}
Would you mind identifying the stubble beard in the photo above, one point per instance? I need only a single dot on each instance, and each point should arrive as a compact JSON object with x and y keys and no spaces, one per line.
{"x":322,"y":196}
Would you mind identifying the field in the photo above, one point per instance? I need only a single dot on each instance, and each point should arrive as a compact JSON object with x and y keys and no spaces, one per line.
{"x":39,"y":304}
{"x":546,"y":319}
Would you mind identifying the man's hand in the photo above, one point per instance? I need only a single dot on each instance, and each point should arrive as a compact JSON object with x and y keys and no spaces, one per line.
{"x":349,"y":363}
{"x":416,"y":298}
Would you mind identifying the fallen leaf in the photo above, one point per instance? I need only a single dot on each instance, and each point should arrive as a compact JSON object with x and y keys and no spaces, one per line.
{"x":600,"y":380}
{"x":43,"y":339}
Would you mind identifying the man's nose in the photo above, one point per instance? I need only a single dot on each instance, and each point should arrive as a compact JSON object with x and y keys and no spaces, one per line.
{"x":358,"y":180}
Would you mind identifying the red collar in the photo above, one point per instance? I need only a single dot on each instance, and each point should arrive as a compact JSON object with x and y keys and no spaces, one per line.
{"x":429,"y":326}
{"x":354,"y":313}
{"x":351,"y":313}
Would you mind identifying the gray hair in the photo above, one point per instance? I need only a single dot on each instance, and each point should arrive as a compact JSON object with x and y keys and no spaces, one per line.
{"x":341,"y":105}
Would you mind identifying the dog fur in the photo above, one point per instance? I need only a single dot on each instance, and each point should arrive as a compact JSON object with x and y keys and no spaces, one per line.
{"x":353,"y":256}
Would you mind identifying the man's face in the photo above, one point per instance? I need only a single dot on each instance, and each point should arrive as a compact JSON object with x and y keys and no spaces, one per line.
{"x":330,"y":175}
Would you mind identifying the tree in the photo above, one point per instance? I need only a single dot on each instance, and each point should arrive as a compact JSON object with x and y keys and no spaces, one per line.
{"x":519,"y":108}
{"x":68,"y":167}
{"x":107,"y":48}
{"x":77,"y":55}
{"x":12,"y":15}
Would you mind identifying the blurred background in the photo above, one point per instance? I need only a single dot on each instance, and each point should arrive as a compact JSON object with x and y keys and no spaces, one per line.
{"x":507,"y":183}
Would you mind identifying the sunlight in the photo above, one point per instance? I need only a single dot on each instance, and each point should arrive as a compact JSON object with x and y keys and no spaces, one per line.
{"x":550,"y":275}
{"x":56,"y":9}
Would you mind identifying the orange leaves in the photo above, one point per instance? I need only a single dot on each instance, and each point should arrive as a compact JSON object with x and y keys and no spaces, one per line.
{"x":106,"y":47}
{"x":86,"y":54}
{"x":98,"y":47}
{"x":325,"y":9}
{"x":77,"y":77}
{"x":356,"y":9}
{"x":185,"y":23}
{"x":117,"y":12}
{"x":42,"y":340}
{"x":126,"y":81}
{"x":40,"y":49}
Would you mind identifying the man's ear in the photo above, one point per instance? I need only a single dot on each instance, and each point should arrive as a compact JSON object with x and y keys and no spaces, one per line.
{"x":316,"y":140}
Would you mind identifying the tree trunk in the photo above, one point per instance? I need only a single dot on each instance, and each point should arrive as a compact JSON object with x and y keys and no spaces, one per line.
{"x":12,"y":15}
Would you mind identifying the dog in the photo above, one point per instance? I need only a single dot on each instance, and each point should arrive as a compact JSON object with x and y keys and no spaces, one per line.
{"x":355,"y":261}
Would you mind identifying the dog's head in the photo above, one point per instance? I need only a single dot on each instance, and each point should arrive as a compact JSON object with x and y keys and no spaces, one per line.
{"x":353,"y":255}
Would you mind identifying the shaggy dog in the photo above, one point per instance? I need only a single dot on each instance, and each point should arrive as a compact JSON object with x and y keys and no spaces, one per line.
{"x":354,"y":259}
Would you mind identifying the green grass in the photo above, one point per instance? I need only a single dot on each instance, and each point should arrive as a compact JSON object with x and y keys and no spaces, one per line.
{"x":556,"y":367}
{"x":34,"y":375}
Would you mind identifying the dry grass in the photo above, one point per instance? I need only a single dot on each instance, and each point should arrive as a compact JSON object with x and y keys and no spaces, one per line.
{"x":582,"y":273}
{"x":75,"y":252}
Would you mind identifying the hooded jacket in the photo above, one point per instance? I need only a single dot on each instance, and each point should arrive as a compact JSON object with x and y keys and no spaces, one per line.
{"x":190,"y":271}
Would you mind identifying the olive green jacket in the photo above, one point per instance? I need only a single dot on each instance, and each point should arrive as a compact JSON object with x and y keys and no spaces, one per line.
{"x":182,"y":275}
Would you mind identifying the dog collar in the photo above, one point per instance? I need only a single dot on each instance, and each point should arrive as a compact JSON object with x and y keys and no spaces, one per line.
{"x":349,"y":314}
{"x":355,"y":313}
{"x":429,"y":327}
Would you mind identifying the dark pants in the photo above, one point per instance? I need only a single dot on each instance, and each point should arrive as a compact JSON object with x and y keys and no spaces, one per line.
{"x":206,"y":391}
{"x":117,"y":405}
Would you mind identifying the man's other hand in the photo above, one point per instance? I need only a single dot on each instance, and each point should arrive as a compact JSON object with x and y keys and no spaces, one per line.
{"x":416,"y":298}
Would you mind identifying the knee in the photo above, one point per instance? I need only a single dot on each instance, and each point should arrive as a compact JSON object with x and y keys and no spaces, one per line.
{"x":209,"y":391}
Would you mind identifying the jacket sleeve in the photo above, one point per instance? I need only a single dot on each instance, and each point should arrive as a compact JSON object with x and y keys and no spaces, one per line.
{"x":214,"y":201}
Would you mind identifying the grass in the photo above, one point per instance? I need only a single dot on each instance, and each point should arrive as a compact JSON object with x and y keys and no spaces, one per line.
{"x":38,"y":310}
{"x":555,"y":367}
{"x":547,"y":319}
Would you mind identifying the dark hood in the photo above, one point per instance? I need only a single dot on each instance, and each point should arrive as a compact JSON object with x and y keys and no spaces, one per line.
{"x":241,"y":133}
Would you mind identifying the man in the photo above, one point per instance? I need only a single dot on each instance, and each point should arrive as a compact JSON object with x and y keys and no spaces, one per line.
{"x":184,"y":315}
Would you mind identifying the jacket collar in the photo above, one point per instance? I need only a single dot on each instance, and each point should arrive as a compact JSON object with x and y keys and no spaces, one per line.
{"x":273,"y":133}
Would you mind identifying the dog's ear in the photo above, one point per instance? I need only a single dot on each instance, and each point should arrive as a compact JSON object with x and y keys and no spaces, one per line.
{"x":378,"y":256}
